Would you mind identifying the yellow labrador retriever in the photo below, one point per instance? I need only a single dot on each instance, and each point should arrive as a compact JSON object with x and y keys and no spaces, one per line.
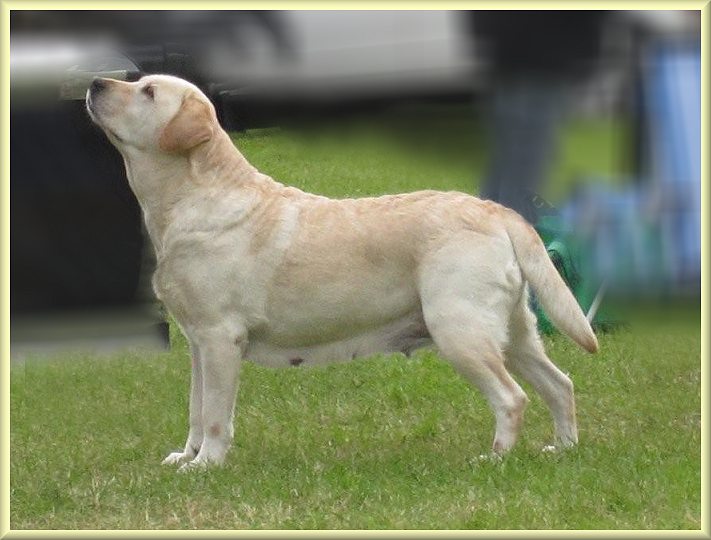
{"x":253,"y":269}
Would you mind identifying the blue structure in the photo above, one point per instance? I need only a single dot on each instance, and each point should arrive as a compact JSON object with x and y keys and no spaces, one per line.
{"x":645,"y":238}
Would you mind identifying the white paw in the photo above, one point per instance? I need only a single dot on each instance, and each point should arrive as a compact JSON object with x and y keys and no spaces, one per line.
{"x":194,"y":465}
{"x":176,"y":457}
{"x":491,"y":457}
{"x":549,"y":449}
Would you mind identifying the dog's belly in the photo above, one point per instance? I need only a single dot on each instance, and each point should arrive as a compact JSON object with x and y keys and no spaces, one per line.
{"x":403,"y":335}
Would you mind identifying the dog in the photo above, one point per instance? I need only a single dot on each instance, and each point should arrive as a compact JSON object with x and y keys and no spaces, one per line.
{"x":252,"y":269}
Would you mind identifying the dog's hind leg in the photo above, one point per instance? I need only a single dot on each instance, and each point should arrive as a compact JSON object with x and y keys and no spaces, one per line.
{"x":526,"y":357}
{"x":195,"y":433}
{"x":477,"y":359}
{"x":467,"y":297}
{"x":467,"y":337}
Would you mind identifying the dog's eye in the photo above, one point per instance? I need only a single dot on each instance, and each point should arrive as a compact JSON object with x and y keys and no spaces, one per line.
{"x":149,"y":91}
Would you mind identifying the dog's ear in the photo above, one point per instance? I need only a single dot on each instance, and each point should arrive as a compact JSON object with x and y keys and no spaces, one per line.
{"x":192,"y":125}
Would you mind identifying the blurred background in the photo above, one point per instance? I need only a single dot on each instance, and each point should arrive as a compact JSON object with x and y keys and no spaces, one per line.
{"x":586,"y":122}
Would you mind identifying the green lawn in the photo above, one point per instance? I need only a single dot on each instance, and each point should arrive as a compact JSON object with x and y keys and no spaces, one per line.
{"x":387,"y":442}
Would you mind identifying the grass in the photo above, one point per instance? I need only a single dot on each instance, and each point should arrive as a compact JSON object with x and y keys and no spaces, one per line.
{"x":383,"y":443}
{"x":432,"y":148}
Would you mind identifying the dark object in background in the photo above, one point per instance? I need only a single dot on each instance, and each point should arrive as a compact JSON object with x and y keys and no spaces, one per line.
{"x":75,"y":226}
{"x":534,"y":57}
{"x":541,"y":42}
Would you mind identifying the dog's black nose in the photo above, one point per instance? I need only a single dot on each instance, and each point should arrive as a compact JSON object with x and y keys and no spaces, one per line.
{"x":97,"y":85}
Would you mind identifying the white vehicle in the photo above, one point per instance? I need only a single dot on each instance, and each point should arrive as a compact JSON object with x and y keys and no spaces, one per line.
{"x":355,"y":53}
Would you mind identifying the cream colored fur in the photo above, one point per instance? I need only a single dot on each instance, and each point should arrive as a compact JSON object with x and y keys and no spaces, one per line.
{"x":252,"y":269}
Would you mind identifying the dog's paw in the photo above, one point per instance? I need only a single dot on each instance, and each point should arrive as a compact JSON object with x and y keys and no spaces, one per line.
{"x":491,"y":457}
{"x":549,"y":449}
{"x":194,"y":465}
{"x":176,"y":457}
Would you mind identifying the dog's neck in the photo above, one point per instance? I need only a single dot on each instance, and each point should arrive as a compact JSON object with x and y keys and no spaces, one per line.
{"x":160,"y":180}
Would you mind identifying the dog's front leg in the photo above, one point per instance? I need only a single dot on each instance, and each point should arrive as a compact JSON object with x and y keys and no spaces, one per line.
{"x":220,"y":360}
{"x":195,"y":433}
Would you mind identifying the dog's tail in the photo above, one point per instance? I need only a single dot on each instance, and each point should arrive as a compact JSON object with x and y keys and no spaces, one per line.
{"x":559,"y":303}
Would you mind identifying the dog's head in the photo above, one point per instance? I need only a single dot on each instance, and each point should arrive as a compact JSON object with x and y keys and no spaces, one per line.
{"x":157,"y":113}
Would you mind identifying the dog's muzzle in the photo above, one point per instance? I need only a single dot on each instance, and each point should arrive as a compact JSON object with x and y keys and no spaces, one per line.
{"x":95,"y":88}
